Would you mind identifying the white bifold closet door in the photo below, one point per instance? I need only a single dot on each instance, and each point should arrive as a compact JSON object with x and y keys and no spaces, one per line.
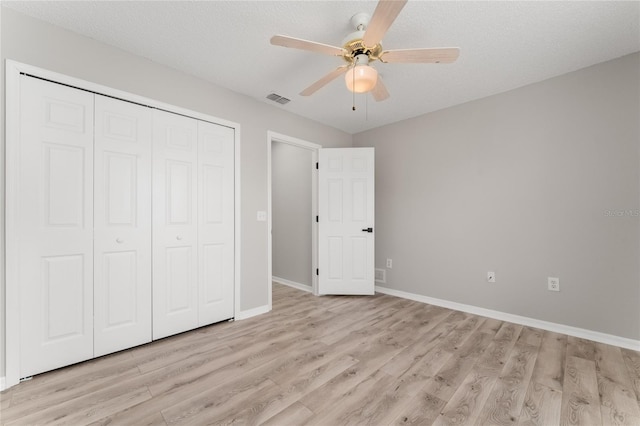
{"x":122,"y":225}
{"x":55,"y":221}
{"x":215,"y":222}
{"x":175,"y":224}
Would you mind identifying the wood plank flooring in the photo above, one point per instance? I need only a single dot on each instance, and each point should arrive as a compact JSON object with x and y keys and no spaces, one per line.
{"x":376,"y":360}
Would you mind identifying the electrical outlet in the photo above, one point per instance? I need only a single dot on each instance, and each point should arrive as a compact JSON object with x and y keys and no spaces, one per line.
{"x":491,"y":277}
{"x":553,"y":283}
{"x":389,"y":263}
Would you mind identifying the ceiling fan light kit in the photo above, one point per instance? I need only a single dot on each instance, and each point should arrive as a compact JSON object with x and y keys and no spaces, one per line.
{"x":361,"y":77}
{"x":362,"y":47}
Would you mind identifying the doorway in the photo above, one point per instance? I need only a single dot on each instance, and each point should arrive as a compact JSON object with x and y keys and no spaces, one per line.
{"x":292,"y":209}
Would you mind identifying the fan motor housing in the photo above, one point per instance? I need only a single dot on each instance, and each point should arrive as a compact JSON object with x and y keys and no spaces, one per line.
{"x":356,"y":47}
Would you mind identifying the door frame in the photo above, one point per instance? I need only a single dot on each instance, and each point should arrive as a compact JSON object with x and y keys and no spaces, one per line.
{"x":313,"y":147}
{"x":13,"y":69}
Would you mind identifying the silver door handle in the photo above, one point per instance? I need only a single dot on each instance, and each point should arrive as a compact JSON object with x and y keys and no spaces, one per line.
{"x":119,"y":240}
{"x":178,"y":237}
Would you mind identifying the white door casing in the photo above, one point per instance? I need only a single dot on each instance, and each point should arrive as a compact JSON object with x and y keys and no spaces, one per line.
{"x":346,"y":211}
{"x":175,"y":222}
{"x":122,"y":225}
{"x":313,"y":148}
{"x":55,"y":224}
{"x":215,"y":222}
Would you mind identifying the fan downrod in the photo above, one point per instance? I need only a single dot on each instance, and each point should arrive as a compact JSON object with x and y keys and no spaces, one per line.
{"x":360,"y":21}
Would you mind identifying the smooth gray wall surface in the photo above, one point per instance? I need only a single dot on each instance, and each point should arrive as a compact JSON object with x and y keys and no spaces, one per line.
{"x":291,"y":212}
{"x":38,"y":43}
{"x":542,"y":181}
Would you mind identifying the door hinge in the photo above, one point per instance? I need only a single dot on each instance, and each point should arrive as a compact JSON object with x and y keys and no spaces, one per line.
{"x":317,"y":166}
{"x":317,"y":219}
{"x":317,"y":271}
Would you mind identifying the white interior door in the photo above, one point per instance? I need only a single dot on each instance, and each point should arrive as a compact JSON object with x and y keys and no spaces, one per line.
{"x":55,"y":221}
{"x":122,"y":225}
{"x":346,"y":221}
{"x":175,"y":237}
{"x":215,"y":222}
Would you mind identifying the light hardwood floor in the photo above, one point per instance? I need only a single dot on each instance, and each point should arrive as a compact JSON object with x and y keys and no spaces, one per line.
{"x":343,"y":360}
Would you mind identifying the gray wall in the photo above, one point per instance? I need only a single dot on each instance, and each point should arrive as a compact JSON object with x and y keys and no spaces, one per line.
{"x":520,"y":183}
{"x":291,"y":212}
{"x":34,"y":42}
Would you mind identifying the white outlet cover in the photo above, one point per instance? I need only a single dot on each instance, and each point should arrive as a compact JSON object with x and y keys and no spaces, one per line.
{"x":261,"y":216}
{"x":553,"y":283}
{"x":491,"y":277}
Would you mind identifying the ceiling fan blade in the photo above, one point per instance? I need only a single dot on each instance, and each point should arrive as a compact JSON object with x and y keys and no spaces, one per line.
{"x":380,"y":92}
{"x":384,"y":15}
{"x":442,"y":55}
{"x":324,"y":80}
{"x":312,"y":46}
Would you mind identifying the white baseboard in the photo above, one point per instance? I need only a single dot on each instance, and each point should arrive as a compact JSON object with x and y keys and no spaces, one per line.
{"x":293,"y":284}
{"x":596,"y":336}
{"x":252,"y":312}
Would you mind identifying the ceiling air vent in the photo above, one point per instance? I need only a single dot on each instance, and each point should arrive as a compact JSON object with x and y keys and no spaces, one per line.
{"x":277,"y":98}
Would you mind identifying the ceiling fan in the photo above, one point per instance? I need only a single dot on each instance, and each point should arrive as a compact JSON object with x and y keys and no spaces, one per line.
{"x":362,"y":47}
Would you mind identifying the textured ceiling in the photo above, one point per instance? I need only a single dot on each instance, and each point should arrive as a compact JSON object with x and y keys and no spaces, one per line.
{"x":503,"y":45}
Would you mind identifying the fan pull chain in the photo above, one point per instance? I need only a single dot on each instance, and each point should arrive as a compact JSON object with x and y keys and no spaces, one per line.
{"x":355,"y":64}
{"x":353,"y":93}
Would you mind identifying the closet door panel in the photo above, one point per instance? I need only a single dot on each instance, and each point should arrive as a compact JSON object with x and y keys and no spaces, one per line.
{"x":55,"y":221}
{"x":216,"y":222}
{"x":122,"y":197}
{"x":175,"y":236}
{"x":178,"y":275}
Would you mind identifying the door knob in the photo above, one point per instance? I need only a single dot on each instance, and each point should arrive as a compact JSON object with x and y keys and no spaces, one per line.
{"x":367,"y":230}
{"x":178,"y":237}
{"x":119,"y":240}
